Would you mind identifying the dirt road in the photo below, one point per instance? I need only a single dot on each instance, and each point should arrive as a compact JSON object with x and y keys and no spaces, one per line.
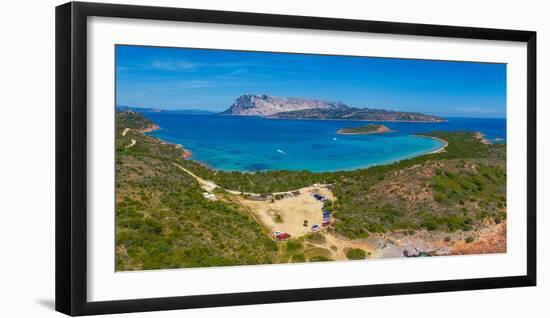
{"x":133,"y":143}
{"x":205,"y":184}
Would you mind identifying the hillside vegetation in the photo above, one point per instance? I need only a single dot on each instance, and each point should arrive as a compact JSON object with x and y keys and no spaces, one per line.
{"x":163,"y":221}
{"x":132,"y":120}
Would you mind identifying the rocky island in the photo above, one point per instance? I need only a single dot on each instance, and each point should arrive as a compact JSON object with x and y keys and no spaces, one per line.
{"x":364,"y":130}
{"x":265,"y":105}
{"x":302,"y":108}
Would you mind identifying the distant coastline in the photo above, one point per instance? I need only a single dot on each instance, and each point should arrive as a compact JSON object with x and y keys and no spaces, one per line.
{"x":208,"y":112}
{"x":336,"y":119}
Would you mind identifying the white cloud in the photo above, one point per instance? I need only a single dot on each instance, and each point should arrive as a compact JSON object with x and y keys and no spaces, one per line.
{"x":174,"y":65}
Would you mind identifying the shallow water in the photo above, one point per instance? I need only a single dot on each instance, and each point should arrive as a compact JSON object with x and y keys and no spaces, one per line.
{"x":253,"y":143}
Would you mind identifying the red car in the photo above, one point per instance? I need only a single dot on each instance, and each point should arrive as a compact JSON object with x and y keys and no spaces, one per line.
{"x":325,"y":223}
{"x":283,"y":236}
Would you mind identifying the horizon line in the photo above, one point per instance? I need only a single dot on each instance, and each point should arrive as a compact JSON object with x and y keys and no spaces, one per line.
{"x":219,"y":111}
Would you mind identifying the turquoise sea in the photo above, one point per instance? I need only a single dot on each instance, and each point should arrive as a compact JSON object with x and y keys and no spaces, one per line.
{"x":233,"y":143}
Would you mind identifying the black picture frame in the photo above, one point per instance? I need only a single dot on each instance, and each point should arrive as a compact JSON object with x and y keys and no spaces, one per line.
{"x":71,"y":157}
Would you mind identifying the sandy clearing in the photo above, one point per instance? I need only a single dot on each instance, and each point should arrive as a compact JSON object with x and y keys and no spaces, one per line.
{"x":288,"y":214}
{"x":284,"y":215}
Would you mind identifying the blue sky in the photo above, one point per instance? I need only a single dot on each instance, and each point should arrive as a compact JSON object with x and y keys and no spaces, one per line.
{"x":176,"y":78}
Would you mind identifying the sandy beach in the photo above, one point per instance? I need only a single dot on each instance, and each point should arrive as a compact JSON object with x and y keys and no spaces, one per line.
{"x":445,"y":144}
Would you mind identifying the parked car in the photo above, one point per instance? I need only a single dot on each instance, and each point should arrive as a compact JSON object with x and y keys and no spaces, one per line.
{"x":315,"y":227}
{"x":319,"y":197}
{"x":325,"y":223}
{"x":283,"y":236}
{"x":276,"y":233}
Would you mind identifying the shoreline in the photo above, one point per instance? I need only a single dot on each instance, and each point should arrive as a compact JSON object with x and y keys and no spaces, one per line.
{"x":481,"y":137}
{"x":187,"y":154}
{"x":441,"y":149}
{"x":147,"y":129}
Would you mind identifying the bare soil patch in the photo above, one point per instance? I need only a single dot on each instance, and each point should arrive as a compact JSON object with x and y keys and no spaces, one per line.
{"x":288,"y":214}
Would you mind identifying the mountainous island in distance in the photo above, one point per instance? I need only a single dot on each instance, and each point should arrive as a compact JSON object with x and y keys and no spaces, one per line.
{"x":302,"y":108}
{"x":123,"y":108}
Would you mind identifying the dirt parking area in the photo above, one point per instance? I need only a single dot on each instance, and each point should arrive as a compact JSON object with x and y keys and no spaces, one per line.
{"x":288,"y":214}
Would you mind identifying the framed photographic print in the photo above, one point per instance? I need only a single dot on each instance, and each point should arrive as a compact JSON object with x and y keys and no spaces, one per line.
{"x":208,"y":158}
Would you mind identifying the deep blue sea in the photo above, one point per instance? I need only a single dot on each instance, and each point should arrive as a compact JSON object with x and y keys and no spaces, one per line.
{"x":253,"y":143}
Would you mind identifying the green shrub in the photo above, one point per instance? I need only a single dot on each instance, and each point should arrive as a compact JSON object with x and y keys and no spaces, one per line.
{"x":293,"y":246}
{"x":320,"y":258}
{"x":298,"y":258}
{"x":316,"y":238}
{"x":355,"y":254}
{"x":376,"y":228}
